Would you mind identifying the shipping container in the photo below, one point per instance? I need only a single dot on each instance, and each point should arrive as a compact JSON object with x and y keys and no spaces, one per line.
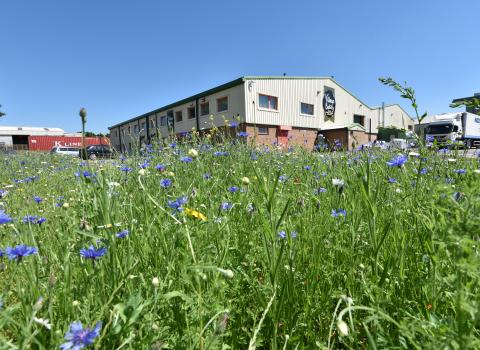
{"x":46,"y":143}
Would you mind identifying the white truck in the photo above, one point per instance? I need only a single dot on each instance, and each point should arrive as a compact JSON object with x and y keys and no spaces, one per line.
{"x":453,"y":127}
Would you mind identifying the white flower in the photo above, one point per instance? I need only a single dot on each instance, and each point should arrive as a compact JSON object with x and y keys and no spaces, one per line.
{"x":477,"y":171}
{"x":398,"y":190}
{"x":245,"y":180}
{"x":44,"y":322}
{"x":338,"y":182}
{"x":142,"y":172}
{"x":227,"y":273}
{"x":414,"y":154}
{"x":193,"y":153}
{"x":76,"y":303}
{"x":451,"y":160}
{"x":155,"y":282}
{"x":342,"y":328}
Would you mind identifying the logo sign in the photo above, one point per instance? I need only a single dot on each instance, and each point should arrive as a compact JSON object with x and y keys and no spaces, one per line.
{"x":329,"y":103}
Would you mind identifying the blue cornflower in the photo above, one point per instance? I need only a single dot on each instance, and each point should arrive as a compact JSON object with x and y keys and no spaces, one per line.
{"x":122,"y":234}
{"x":282,"y":178}
{"x":176,"y":205}
{"x":173,"y":145}
{"x":429,"y":138}
{"x":37,"y":199}
{"x":220,"y":154}
{"x":460,"y":171}
{"x":122,"y":157}
{"x":233,"y":189}
{"x":20,"y":251}
{"x":165,"y":183}
{"x":87,"y":174}
{"x":307,"y":167}
{"x":4,"y":218}
{"x":186,"y":159}
{"x":339,"y":212}
{"x":242,"y":134}
{"x":78,"y":337}
{"x":398,"y":160}
{"x":443,"y":150}
{"x":233,"y":124}
{"x":226,"y":206}
{"x":3,"y":193}
{"x":144,"y":165}
{"x":126,"y":169}
{"x":92,"y":253}
{"x":207,"y":176}
{"x":160,"y":167}
{"x":423,"y":171}
{"x":35,"y":220}
{"x":392,"y":180}
{"x":320,"y":190}
{"x":283,"y":234}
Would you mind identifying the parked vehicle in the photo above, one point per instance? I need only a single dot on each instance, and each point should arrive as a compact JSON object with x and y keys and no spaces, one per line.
{"x":96,"y":151}
{"x":70,"y":151}
{"x":454,"y":127}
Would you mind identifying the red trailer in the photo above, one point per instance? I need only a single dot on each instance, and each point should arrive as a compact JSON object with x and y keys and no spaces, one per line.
{"x":46,"y":143}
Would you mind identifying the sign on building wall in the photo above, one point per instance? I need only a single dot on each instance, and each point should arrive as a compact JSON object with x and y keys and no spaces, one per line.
{"x":329,"y":103}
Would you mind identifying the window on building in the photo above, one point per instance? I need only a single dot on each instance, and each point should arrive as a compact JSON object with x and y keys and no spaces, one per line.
{"x":359,"y":119}
{"x":143,"y":126}
{"x":263,"y":130}
{"x":268,"y":102}
{"x":135,"y":129}
{"x":204,"y":108}
{"x":191,"y":112}
{"x":410,"y":127}
{"x":178,"y":116}
{"x":163,"y":121}
{"x":306,"y":108}
{"x":222,"y":104}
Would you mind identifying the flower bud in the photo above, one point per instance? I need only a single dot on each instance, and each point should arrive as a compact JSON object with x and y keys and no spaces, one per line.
{"x":342,"y":328}
{"x":245,"y":180}
{"x":193,"y":153}
{"x":83,"y":115}
{"x":142,"y":172}
{"x":155,"y":282}
{"x":227,"y":273}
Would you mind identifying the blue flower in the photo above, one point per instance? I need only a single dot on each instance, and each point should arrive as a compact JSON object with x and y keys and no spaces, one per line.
{"x":3,"y":193}
{"x":283,"y":234}
{"x":126,"y":169}
{"x":37,"y":199}
{"x":233,"y":124}
{"x":160,"y":167}
{"x":423,"y":171}
{"x":392,"y":180}
{"x":307,"y":167}
{"x":173,"y":145}
{"x":186,"y":159}
{"x":78,"y":337}
{"x":92,"y":253}
{"x":4,"y":218}
{"x":122,"y":234}
{"x":338,"y":212}
{"x":320,"y":190}
{"x":207,"y":176}
{"x":429,"y":138}
{"x":220,"y":154}
{"x":144,"y":165}
{"x":282,"y":178}
{"x":398,"y":161}
{"x":165,"y":183}
{"x":226,"y":206}
{"x":460,"y":171}
{"x":35,"y":220}
{"x":242,"y":134}
{"x":233,"y":189}
{"x":176,"y":205}
{"x":20,"y":251}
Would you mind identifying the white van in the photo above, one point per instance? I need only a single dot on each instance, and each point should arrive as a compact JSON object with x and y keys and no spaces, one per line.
{"x":69,"y":151}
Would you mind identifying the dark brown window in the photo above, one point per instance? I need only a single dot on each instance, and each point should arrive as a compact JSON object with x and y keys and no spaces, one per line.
{"x":191,"y":112}
{"x":178,"y":116}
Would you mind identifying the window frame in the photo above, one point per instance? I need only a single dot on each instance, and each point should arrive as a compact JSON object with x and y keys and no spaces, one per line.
{"x":263,"y":133}
{"x":201,"y":105}
{"x":363,"y":119}
{"x":180,"y":112}
{"x":268,"y":108}
{"x":227,"y":105}
{"x":189,"y":109}
{"x":163,"y":121}
{"x":307,"y":104}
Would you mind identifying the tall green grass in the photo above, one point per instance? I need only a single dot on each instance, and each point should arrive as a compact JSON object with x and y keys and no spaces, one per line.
{"x":399,"y":271}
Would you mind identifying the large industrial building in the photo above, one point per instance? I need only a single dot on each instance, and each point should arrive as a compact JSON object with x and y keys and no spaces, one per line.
{"x":271,"y":110}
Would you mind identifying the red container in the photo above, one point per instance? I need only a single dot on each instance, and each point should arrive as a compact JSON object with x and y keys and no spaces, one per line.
{"x":46,"y":143}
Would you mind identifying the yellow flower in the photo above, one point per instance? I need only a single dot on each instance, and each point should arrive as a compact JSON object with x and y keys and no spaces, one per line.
{"x":195,"y":214}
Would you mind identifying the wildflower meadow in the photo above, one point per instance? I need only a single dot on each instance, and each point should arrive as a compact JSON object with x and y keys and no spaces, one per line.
{"x":195,"y":244}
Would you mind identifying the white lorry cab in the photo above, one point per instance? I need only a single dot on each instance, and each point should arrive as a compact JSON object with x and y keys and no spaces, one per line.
{"x":454,"y":127}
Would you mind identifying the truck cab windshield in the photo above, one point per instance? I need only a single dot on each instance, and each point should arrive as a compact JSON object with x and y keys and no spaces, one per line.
{"x":440,"y":129}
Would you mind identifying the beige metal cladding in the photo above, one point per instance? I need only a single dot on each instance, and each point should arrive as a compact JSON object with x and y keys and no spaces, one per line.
{"x":291,"y":93}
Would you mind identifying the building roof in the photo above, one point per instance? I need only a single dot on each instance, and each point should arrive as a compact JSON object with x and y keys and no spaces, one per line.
{"x":29,"y":130}
{"x":476,"y":96}
{"x":231,"y":84}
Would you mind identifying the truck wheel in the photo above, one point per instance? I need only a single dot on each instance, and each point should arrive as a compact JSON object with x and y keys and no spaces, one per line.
{"x":92,"y":157}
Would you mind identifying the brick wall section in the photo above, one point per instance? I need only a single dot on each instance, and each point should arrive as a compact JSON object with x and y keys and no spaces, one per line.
{"x":336,"y":134}
{"x":301,"y":137}
{"x":358,"y":138}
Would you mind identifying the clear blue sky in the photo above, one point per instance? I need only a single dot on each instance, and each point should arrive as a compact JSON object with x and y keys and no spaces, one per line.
{"x":120,"y":58}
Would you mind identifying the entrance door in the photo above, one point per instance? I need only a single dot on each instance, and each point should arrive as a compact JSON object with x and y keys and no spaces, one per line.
{"x":282,"y":137}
